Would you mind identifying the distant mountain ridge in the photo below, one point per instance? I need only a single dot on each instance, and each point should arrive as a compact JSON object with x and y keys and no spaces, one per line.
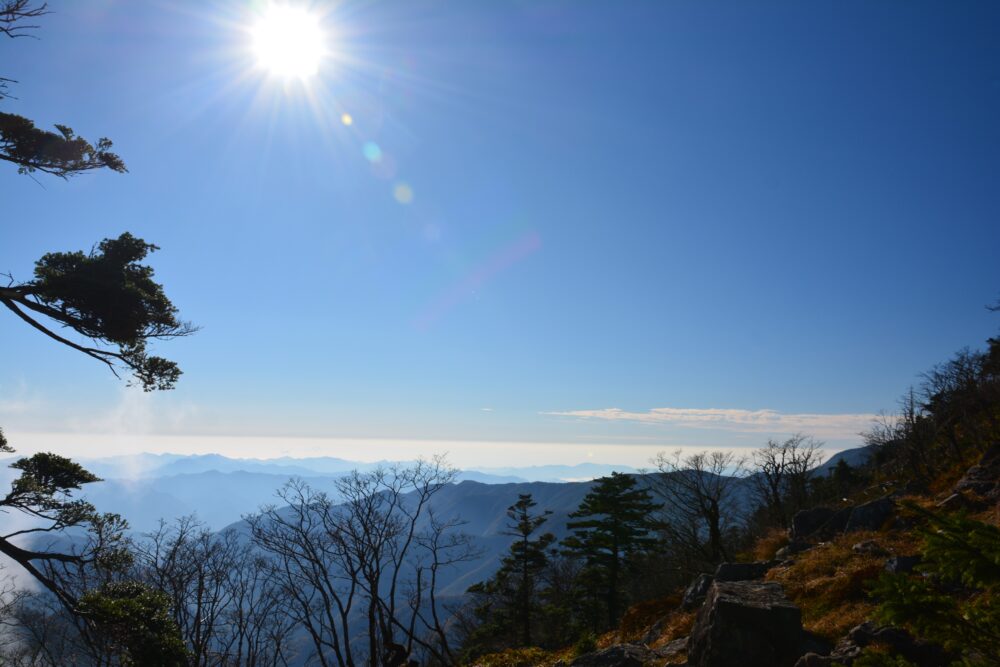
{"x":219,"y":490}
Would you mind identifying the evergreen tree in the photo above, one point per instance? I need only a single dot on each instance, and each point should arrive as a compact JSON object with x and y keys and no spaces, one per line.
{"x":615,"y":525}
{"x":954,"y":600}
{"x":527,"y":558}
{"x":509,"y":600}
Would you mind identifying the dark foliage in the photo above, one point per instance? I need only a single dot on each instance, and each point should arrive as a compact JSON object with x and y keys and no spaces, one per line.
{"x":615,"y":527}
{"x":508,"y":605}
{"x":107,"y":296}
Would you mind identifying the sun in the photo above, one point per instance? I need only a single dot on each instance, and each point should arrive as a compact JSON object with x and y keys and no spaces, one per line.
{"x":288,"y":41}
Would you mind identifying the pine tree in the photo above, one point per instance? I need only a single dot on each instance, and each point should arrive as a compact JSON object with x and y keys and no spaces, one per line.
{"x":616,"y":525}
{"x":509,"y":600}
{"x":955,"y":598}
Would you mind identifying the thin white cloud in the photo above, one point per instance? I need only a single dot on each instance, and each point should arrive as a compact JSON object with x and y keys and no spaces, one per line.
{"x":728,"y":419}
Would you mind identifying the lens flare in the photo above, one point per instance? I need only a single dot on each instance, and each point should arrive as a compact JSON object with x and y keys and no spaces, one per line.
{"x":403,"y":193}
{"x":372,"y":152}
{"x":346,"y":119}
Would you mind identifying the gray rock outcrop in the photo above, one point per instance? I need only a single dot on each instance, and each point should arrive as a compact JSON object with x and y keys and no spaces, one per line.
{"x":746,"y":623}
{"x":871,"y":516}
{"x":619,"y":655}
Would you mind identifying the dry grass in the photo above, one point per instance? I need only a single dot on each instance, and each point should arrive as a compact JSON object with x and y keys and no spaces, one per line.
{"x":678,"y":625}
{"x":639,"y":618}
{"x":769,"y":543}
{"x":517,"y":657}
{"x":829,"y":582}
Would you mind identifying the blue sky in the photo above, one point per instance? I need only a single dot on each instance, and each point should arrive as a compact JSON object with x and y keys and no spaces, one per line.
{"x":701,"y":210}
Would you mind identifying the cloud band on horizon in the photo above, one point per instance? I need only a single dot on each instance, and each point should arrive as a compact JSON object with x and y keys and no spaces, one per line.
{"x":731,"y":419}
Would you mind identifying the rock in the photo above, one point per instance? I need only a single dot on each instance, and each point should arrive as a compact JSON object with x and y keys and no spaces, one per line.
{"x":977,"y":479}
{"x":817,"y":660}
{"x":751,"y":624}
{"x":672,"y":650}
{"x":844,"y":653}
{"x":845,"y":658}
{"x":807,"y":522}
{"x":743,"y":571}
{"x":869,"y":548}
{"x":900,"y":642}
{"x":902,"y":564}
{"x":813,"y":643}
{"x":792,"y":548}
{"x":654,"y":632}
{"x":819,"y":522}
{"x":870,"y":516}
{"x":696,"y":591}
{"x":620,"y":655}
{"x":982,"y":479}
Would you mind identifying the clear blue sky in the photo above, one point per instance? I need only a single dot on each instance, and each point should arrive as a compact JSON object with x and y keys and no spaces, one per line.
{"x":782,"y":206}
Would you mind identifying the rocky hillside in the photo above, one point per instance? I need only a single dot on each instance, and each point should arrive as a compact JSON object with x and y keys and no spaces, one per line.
{"x":903,"y":571}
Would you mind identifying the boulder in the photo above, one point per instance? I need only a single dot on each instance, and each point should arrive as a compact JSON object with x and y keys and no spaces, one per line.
{"x":673,"y":650}
{"x":902,"y":564}
{"x":812,"y":643}
{"x":817,"y":660}
{"x":807,"y":522}
{"x":620,"y":655}
{"x":982,"y":479}
{"x":696,"y":591}
{"x":818,"y":522}
{"x":871,"y":516}
{"x":869,"y":548}
{"x":844,"y":653}
{"x":746,"y":623}
{"x":743,"y":571}
{"x":900,"y":642}
{"x":792,"y":548}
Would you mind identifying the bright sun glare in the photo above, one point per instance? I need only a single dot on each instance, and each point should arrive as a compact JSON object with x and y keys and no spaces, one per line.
{"x":288,"y":41}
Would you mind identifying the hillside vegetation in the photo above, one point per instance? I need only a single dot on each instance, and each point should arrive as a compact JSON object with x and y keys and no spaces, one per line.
{"x":895,"y":561}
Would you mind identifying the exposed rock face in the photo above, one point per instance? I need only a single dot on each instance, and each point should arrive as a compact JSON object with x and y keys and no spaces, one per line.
{"x":750,"y":624}
{"x":871,"y":516}
{"x":817,"y":660}
{"x":807,"y":522}
{"x":792,"y":548}
{"x":869,"y":548}
{"x":620,"y":655}
{"x":743,"y":571}
{"x":696,"y":591}
{"x":900,"y":642}
{"x":819,"y":522}
{"x":672,"y":651}
{"x":983,"y":479}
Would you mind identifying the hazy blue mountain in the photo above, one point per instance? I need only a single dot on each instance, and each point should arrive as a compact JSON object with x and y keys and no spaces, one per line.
{"x":562,"y":473}
{"x":220,"y":490}
{"x":218,"y":498}
{"x":858,"y":456}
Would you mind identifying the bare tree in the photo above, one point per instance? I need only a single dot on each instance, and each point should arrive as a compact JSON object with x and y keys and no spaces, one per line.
{"x":780,"y":478}
{"x":701,"y":495}
{"x":222,"y":599}
{"x":367,"y":558}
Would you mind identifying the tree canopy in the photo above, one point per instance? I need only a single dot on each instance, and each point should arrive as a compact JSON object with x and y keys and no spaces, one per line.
{"x":61,"y":153}
{"x":614,"y":524}
{"x":109,"y":297}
